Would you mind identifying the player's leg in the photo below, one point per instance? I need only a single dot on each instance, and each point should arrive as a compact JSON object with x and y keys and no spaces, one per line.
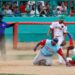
{"x":60,"y":59}
{"x":40,"y":58}
{"x":3,"y":50}
{"x":48,"y":61}
{"x":73,"y":51}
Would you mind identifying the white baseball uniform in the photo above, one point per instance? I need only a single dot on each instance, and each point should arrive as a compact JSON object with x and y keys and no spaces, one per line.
{"x":59,"y":29}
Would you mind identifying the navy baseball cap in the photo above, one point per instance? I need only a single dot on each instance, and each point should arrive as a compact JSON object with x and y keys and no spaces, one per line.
{"x":55,"y":40}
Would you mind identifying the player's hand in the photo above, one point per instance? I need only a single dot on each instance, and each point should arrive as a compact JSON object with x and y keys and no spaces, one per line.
{"x":63,"y":43}
{"x":47,"y":34}
{"x":35,"y":49}
{"x":68,"y":64}
{"x":12,"y":24}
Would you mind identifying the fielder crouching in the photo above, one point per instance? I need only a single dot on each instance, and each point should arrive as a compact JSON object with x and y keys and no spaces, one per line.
{"x":49,"y":48}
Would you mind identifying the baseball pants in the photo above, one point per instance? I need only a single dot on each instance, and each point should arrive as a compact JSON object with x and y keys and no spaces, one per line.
{"x":40,"y":57}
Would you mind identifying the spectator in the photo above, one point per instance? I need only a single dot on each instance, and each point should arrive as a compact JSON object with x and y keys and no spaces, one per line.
{"x":72,"y":11}
{"x":59,"y":7}
{"x":27,"y":10}
{"x":45,"y":10}
{"x":14,"y":6}
{"x":54,"y":11}
{"x":64,"y":10}
{"x":42,"y":2}
{"x":30,"y":4}
{"x":39,"y":5}
{"x":23,"y":7}
{"x":58,"y":12}
{"x":16,"y":11}
{"x":10,"y":4}
{"x":3,"y":7}
{"x":47,"y":6}
{"x":7,"y":10}
{"x":32,"y":12}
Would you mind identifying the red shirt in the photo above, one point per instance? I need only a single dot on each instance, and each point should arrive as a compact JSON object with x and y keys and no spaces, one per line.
{"x":23,"y":8}
{"x":72,"y":13}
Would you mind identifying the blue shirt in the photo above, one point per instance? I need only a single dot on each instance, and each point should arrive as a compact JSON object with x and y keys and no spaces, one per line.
{"x":3,"y":25}
{"x":48,"y":49}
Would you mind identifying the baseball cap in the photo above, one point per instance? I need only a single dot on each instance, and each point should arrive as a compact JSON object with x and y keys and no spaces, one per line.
{"x":55,"y":40}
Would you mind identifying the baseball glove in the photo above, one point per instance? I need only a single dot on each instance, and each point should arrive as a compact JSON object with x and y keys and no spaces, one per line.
{"x":63,"y":43}
{"x":70,"y":47}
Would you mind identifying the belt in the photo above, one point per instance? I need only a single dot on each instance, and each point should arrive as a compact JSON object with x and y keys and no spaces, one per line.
{"x":57,"y":36}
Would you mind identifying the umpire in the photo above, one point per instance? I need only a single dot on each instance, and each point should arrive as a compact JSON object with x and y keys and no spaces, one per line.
{"x":3,"y":26}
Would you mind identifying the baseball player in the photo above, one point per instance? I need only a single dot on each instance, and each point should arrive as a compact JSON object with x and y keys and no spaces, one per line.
{"x":48,"y":49}
{"x":70,"y":59}
{"x":3,"y":25}
{"x":59,"y":32}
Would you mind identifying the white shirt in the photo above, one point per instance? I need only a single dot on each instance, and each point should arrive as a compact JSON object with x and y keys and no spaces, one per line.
{"x":8,"y":12}
{"x":59,"y":29}
{"x":32,"y":12}
{"x":60,"y":7}
{"x":59,"y":12}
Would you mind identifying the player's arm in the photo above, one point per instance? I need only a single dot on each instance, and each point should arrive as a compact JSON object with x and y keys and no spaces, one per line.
{"x":48,"y":32}
{"x":64,"y":34}
{"x":71,"y":44}
{"x":42,"y":43}
{"x":50,"y":29}
{"x":61,"y":53}
{"x":65,"y":31}
{"x":9,"y":25}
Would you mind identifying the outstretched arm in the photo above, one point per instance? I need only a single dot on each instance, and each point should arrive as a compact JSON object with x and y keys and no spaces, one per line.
{"x":50,"y":29}
{"x":42,"y":43}
{"x":61,"y":53}
{"x":10,"y":25}
{"x":71,"y":44}
{"x":48,"y":32}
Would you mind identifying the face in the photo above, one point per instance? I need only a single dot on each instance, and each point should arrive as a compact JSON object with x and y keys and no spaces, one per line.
{"x":53,"y":43}
{"x":61,"y":21}
{"x":7,"y":7}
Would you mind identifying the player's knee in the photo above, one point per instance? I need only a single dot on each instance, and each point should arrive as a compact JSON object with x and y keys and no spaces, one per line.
{"x":48,"y":64}
{"x":35,"y":62}
{"x":41,"y":62}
